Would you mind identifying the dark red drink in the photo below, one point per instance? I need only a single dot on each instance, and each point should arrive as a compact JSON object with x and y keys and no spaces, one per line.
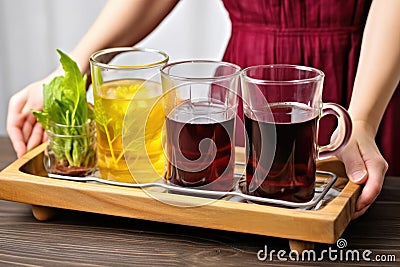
{"x":289,"y":173}
{"x":199,"y":148}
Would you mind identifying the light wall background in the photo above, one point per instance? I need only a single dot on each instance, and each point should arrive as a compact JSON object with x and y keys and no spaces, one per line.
{"x":31,"y":30}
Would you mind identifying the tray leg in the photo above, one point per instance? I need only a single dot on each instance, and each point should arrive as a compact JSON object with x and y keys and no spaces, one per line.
{"x":300,"y":245}
{"x":42,"y":213}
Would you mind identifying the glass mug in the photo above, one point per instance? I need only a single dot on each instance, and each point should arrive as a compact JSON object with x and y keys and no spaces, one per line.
{"x":126,"y":84}
{"x":201,"y":101}
{"x":282,"y":107}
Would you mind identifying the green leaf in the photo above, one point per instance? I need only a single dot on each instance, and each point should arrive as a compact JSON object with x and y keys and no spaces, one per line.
{"x":74,"y":89}
{"x":42,"y":118}
{"x":65,"y":103}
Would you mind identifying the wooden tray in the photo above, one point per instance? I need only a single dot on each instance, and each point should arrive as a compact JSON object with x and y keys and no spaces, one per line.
{"x":25,"y":181}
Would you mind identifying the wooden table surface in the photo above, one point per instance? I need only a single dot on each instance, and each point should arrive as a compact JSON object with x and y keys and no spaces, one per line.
{"x":85,"y":239}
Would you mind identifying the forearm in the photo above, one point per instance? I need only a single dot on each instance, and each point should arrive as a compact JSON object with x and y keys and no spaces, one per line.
{"x":378,"y":71}
{"x":121,"y":23}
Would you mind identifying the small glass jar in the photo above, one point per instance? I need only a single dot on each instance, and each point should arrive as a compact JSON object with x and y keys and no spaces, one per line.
{"x":71,"y":150}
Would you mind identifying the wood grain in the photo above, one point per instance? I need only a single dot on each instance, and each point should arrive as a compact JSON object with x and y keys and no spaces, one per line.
{"x":76,"y":238}
{"x":23,"y":181}
{"x":85,"y":239}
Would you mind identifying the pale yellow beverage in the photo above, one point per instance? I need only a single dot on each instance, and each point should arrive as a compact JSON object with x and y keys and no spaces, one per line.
{"x":141,"y":130}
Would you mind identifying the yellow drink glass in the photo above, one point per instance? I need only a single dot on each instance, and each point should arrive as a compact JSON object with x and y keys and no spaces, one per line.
{"x":129,"y":118}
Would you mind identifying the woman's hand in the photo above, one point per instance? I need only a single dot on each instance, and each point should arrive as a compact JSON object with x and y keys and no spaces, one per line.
{"x":23,"y":129}
{"x":364,"y":164}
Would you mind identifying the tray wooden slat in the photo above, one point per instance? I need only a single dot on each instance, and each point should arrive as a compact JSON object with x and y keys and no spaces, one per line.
{"x":23,"y":181}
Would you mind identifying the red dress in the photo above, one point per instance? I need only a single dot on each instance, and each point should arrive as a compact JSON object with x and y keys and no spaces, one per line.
{"x":324,"y":34}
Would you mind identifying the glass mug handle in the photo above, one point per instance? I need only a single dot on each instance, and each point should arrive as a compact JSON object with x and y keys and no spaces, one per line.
{"x":343,"y":130}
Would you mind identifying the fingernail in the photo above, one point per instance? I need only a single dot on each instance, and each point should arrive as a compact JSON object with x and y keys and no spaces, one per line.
{"x":358,"y":175}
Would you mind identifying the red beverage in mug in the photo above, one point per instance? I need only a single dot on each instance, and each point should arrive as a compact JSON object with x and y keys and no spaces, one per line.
{"x":199,"y":150}
{"x":282,"y":106}
{"x":289,"y":174}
